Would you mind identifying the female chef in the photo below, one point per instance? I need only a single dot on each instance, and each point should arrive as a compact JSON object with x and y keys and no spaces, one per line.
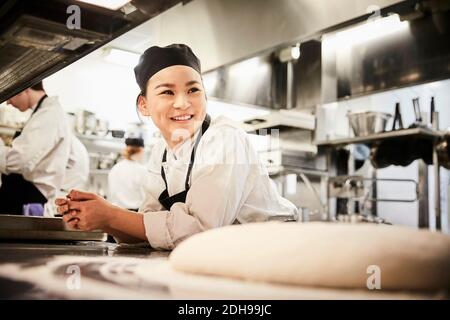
{"x":203,"y":173}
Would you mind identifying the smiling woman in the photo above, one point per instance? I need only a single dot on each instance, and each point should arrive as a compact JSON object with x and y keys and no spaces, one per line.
{"x":226,"y":184}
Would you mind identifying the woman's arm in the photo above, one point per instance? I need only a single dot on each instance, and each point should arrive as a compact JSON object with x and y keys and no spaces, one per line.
{"x":126,"y":226}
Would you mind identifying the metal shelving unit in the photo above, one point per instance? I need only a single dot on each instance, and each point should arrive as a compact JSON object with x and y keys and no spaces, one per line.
{"x":421,"y":132}
{"x":414,"y":132}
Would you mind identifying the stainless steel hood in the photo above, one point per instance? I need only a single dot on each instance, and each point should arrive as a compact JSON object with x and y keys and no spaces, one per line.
{"x":35,"y":40}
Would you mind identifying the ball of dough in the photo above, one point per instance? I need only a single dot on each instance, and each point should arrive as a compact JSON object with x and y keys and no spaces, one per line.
{"x":321,"y":254}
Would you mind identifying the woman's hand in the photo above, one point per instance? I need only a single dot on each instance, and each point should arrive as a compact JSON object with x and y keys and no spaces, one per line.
{"x":85,"y":211}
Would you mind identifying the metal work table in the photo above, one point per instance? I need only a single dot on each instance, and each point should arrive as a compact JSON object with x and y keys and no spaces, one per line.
{"x":34,"y":277}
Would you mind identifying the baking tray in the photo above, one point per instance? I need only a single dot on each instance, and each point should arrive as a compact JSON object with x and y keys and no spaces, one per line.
{"x":13,"y":227}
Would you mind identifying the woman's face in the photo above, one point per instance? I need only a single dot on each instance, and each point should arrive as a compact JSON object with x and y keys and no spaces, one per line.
{"x":175,"y":100}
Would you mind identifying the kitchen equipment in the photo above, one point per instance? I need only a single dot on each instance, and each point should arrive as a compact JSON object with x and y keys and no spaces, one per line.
{"x":38,"y":38}
{"x":86,"y":122}
{"x":101,"y":128}
{"x":43,"y":228}
{"x":397,"y":118}
{"x":117,"y":133}
{"x":416,"y":107}
{"x":432,"y":110}
{"x":107,"y":161}
{"x":365,"y":123}
{"x":418,"y":114}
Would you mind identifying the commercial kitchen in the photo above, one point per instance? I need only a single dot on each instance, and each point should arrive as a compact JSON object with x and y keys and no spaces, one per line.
{"x":346,"y":103}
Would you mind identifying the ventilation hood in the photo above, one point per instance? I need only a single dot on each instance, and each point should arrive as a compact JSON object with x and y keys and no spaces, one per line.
{"x":37,"y":38}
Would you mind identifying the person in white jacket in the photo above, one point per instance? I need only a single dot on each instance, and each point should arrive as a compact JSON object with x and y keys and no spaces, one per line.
{"x":77,"y":169}
{"x":33,"y":167}
{"x":128,"y":178}
{"x":204,"y":173}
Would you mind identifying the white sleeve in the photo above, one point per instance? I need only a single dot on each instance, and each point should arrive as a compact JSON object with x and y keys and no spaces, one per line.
{"x":36,"y":141}
{"x":223,"y":179}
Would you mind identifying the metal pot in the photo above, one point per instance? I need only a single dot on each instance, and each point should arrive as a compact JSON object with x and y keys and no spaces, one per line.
{"x":86,"y":122}
{"x":365,"y":123}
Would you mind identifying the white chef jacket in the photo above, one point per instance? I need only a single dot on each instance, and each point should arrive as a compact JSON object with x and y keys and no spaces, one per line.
{"x":228,"y":183}
{"x":77,"y":170}
{"x":127,"y":184}
{"x":42,"y":150}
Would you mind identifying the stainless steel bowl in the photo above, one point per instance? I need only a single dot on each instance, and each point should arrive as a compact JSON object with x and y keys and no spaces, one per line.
{"x":365,"y":123}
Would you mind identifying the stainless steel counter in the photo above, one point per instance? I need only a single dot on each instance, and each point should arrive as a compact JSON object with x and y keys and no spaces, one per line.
{"x":96,"y":270}
{"x":43,"y":270}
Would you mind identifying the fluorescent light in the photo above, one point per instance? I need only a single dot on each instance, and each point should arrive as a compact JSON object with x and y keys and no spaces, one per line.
{"x":122,"y":57}
{"x":109,"y":4}
{"x":371,"y":29}
{"x":235,"y":112}
{"x":289,"y":53}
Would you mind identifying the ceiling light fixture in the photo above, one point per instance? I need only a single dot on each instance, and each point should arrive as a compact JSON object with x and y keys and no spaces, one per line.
{"x":290,"y":53}
{"x":108,"y":4}
{"x":122,"y":57}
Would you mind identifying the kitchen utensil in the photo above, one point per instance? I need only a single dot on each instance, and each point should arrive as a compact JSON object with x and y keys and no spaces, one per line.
{"x":416,"y":106}
{"x":432,"y":110}
{"x":417,"y":113}
{"x":365,"y":123}
{"x":397,"y":118}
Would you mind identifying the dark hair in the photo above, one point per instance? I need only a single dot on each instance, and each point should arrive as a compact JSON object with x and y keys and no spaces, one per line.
{"x":38,"y":86}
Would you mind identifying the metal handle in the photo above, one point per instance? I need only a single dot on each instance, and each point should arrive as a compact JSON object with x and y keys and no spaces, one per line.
{"x":417,"y":110}
{"x":352,"y":188}
{"x":394,"y":180}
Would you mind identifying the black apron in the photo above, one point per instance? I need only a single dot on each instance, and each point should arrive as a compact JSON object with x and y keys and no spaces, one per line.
{"x":164,"y":198}
{"x":15,"y":191}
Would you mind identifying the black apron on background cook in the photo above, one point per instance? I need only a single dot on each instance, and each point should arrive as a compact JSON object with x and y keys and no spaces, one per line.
{"x":15,"y":191}
{"x":164,"y":198}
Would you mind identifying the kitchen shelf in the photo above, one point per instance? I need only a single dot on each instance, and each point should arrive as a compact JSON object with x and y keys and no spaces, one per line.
{"x":99,"y":171}
{"x":422,"y":132}
{"x":100,"y":138}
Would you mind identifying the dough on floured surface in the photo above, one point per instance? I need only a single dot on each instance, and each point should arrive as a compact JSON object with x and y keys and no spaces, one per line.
{"x":320,"y":255}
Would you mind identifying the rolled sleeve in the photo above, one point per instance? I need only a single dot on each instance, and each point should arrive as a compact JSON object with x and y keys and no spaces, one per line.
{"x":155,"y":224}
{"x":166,"y":229}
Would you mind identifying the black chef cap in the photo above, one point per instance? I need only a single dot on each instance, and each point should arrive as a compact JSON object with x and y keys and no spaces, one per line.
{"x":157,"y":58}
{"x":135,"y":142}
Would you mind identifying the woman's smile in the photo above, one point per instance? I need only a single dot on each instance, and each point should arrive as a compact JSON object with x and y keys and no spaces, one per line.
{"x":183,"y":118}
